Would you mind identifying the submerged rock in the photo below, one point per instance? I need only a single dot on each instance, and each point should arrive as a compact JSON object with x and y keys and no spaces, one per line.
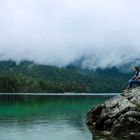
{"x":119,"y":117}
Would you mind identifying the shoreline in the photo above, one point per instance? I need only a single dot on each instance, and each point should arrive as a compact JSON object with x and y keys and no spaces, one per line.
{"x":62,"y":94}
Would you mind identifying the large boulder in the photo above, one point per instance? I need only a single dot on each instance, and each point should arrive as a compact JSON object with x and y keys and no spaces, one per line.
{"x":119,"y":117}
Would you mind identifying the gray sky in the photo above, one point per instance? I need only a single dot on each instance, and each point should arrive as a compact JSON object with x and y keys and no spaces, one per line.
{"x":59,"y":32}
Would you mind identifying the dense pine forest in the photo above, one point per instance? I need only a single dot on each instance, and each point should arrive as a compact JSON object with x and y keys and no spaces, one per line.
{"x":29,"y":77}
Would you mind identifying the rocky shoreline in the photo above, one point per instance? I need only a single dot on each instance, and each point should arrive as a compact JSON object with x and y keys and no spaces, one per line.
{"x":118,"y":118}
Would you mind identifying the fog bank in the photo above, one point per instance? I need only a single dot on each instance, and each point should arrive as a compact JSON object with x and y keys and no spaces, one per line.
{"x":104,"y":33}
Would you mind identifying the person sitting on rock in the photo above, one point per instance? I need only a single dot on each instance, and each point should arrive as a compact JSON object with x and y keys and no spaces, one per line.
{"x":135,"y":80}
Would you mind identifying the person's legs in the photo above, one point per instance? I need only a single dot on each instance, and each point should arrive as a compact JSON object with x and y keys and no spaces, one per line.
{"x":130,"y":85}
{"x":133,"y":82}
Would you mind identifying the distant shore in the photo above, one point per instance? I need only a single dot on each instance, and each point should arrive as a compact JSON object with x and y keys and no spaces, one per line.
{"x":63,"y":94}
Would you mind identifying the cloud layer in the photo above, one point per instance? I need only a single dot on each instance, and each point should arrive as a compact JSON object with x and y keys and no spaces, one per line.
{"x":105,"y":33}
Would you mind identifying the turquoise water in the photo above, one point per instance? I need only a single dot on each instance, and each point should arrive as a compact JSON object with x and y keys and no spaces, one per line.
{"x":46,"y":117}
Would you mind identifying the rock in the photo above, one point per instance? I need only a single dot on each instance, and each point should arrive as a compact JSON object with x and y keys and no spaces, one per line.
{"x":134,"y":136}
{"x":119,"y":116}
{"x":108,"y":124}
{"x":117,"y":105}
{"x":94,"y":114}
{"x":118,"y":131}
{"x":100,"y":124}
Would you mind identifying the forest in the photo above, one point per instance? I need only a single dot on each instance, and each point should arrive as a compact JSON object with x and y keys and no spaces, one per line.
{"x":27,"y":77}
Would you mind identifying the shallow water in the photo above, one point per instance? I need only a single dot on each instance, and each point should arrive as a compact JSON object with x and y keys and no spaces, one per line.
{"x":53,"y":117}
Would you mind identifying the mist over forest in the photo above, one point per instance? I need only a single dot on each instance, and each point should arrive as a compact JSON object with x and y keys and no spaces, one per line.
{"x":103,"y":32}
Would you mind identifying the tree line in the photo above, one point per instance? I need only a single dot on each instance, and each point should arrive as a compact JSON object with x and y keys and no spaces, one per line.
{"x":32,"y":78}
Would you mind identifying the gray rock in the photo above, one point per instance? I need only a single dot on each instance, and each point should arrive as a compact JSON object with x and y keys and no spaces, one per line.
{"x":117,"y":105}
{"x":119,"y":116}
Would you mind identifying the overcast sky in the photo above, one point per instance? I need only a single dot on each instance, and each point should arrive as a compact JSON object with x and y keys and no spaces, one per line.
{"x":59,"y":32}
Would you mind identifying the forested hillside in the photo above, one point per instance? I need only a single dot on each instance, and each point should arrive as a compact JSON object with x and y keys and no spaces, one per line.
{"x":30,"y":77}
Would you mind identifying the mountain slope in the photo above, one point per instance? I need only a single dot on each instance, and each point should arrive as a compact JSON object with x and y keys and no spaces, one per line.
{"x":30,"y":77}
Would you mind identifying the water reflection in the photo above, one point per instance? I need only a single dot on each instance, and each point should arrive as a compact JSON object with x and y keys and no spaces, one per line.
{"x":46,"y":117}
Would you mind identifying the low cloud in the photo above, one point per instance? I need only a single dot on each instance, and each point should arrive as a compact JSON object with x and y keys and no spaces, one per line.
{"x":103,"y":32}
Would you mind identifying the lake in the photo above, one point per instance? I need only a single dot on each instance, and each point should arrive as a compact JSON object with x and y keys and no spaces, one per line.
{"x":46,"y":117}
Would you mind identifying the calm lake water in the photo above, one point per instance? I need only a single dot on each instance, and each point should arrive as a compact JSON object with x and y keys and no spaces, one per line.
{"x":46,"y":117}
